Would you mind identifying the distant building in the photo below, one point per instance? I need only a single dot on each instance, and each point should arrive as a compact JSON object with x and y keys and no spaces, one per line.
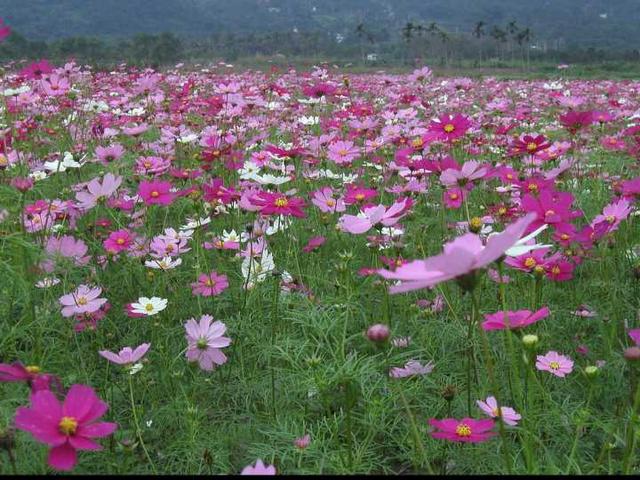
{"x":372,"y":57}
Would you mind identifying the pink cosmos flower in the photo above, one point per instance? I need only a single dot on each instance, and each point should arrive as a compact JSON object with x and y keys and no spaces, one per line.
{"x":517,"y":319}
{"x":410,"y":369}
{"x":634,"y":334}
{"x":325,"y":201}
{"x":55,"y":85}
{"x":371,"y":216}
{"x":67,"y":247}
{"x":126,"y":356}
{"x":97,"y":191}
{"x":83,"y":300}
{"x":16,"y":372}
{"x":554,"y":363}
{"x":490,"y":407}
{"x":156,"y":192}
{"x":302,"y":442}
{"x":111,"y":153}
{"x":205,"y":341}
{"x":460,"y":257}
{"x":454,"y":197}
{"x":467,"y":430}
{"x":359,"y":194}
{"x":612,"y":215}
{"x":36,"y":70}
{"x":5,"y":30}
{"x":469,"y":172}
{"x":118,"y":241}
{"x":449,"y":127}
{"x":313,"y":244}
{"x":343,"y":153}
{"x":65,"y":427}
{"x":210,"y":284}
{"x":278,"y":204}
{"x":259,"y":469}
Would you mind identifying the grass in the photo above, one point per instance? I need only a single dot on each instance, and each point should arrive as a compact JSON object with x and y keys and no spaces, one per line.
{"x":302,"y":364}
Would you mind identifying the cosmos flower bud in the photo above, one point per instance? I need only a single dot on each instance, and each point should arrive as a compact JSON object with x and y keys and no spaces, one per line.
{"x":632,"y":354}
{"x":449,"y":392}
{"x":302,"y":442}
{"x":378,"y":332}
{"x":530,"y":340}
{"x":591,"y":371}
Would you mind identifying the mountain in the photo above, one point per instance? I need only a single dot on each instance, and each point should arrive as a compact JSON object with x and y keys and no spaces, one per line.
{"x":601,"y":23}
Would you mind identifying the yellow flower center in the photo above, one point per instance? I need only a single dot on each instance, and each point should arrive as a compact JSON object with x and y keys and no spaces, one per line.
{"x":531,"y":146}
{"x":538,"y":269}
{"x":360,"y":196}
{"x":68,"y":425}
{"x":155,"y":194}
{"x":82,"y":301}
{"x":120,"y":241}
{"x":32,"y":369}
{"x":331,"y":202}
{"x":3,"y":161}
{"x":475,"y":223}
{"x":611,"y":218}
{"x":530,"y":262}
{"x":449,"y":127}
{"x":147,"y":164}
{"x":417,"y":142}
{"x":555,"y":270}
{"x":533,"y":187}
{"x":463,"y":430}
{"x":209,"y":282}
{"x":149,"y":307}
{"x":453,"y":196}
{"x":502,"y":211}
{"x":548,"y":213}
{"x":564,"y":236}
{"x":554,"y":365}
{"x":281,"y":202}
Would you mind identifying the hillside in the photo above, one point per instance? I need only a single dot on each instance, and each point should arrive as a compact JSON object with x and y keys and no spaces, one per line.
{"x":602,"y":23}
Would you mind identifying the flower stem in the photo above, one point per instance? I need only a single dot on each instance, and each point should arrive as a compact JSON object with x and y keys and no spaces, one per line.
{"x":416,"y":434}
{"x":137,"y":425}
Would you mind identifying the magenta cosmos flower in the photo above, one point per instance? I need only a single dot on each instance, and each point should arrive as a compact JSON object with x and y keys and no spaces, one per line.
{"x":449,"y":127}
{"x":65,"y":427}
{"x":461,"y":256}
{"x":210,"y":284}
{"x":30,"y":374}
{"x":490,"y":407}
{"x":118,"y":241}
{"x":517,"y":319}
{"x":466,"y":430}
{"x":126,"y":356}
{"x":258,"y":469}
{"x":156,"y":192}
{"x":278,"y":204}
{"x":553,"y":362}
{"x":83,"y":300}
{"x":205,"y":341}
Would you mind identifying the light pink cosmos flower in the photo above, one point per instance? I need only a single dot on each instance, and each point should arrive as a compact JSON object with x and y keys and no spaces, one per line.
{"x":490,"y":407}
{"x":411,"y":368}
{"x":55,"y":85}
{"x":83,"y":300}
{"x":371,"y":216}
{"x":65,"y":427}
{"x":325,"y":201}
{"x":106,"y":155}
{"x":517,"y":319}
{"x":302,"y":442}
{"x":469,"y":172}
{"x":97,"y":191}
{"x":554,"y":363}
{"x":205,"y":341}
{"x":126,"y":356}
{"x":343,"y":152}
{"x":259,"y":469}
{"x":613,"y":214}
{"x":461,"y":256}
{"x":210,"y":284}
{"x":65,"y":246}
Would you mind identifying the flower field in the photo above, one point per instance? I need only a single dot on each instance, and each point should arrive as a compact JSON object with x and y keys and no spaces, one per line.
{"x":210,"y":271}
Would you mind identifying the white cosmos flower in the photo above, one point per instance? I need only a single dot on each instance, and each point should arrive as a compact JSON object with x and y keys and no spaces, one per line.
{"x":231,"y":236}
{"x":256,"y":270}
{"x":47,"y":282}
{"x":167,"y":263}
{"x":62,"y":165}
{"x":267,"y":179}
{"x":38,"y":175}
{"x":521,"y":247}
{"x":149,"y":306}
{"x":310,"y":120}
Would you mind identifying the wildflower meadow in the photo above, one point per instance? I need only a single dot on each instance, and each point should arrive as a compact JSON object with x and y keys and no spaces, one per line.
{"x":225,"y":271}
